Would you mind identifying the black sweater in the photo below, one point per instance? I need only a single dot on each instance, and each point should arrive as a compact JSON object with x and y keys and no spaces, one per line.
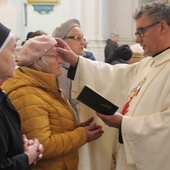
{"x":12,"y":156}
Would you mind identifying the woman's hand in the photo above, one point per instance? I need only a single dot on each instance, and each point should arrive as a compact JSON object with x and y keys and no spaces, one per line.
{"x":94,"y":131}
{"x":33,"y":149}
{"x":86,"y":123}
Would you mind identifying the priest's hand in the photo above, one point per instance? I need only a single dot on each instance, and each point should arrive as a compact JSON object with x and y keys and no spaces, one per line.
{"x":66,"y":53}
{"x":111,"y":120}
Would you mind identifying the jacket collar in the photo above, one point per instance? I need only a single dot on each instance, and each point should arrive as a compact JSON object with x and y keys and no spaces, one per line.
{"x":39,"y":79}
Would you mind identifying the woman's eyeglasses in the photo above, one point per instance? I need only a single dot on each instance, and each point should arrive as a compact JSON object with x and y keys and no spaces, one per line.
{"x":76,"y":37}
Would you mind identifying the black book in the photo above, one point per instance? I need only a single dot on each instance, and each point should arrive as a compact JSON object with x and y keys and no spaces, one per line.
{"x":96,"y":102}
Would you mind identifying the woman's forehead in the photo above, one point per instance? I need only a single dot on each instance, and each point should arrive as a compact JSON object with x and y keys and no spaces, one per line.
{"x":75,"y":31}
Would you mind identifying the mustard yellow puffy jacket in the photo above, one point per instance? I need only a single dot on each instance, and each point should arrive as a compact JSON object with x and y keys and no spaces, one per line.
{"x":46,"y":115}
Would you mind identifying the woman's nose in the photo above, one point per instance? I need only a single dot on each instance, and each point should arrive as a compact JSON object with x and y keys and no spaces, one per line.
{"x":16,"y":57}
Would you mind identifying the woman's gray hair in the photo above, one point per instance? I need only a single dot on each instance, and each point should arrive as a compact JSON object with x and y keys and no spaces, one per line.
{"x":156,"y":11}
{"x":113,"y":34}
{"x":41,"y":63}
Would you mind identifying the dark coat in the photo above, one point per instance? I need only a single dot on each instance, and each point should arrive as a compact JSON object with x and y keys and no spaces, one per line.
{"x":110,"y":48}
{"x":121,"y":55}
{"x":89,"y":55}
{"x":12,"y":156}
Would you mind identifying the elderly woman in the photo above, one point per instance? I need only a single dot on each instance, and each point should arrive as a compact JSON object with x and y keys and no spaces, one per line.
{"x":16,"y":151}
{"x":44,"y":111}
{"x":70,"y":31}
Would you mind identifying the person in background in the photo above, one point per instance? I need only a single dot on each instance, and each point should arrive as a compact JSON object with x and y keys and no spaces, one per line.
{"x":44,"y":111}
{"x":111,"y":45}
{"x":141,"y":90}
{"x":137,"y":53}
{"x":72,"y":34}
{"x":121,"y":56}
{"x":88,"y":54}
{"x":38,"y":33}
{"x":16,"y":151}
{"x":29,"y":35}
{"x":32,"y":34}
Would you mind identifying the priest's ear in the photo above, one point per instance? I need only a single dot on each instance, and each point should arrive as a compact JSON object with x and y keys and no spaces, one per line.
{"x":164,"y":27}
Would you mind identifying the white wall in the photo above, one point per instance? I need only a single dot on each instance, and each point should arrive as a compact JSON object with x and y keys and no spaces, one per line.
{"x":98,"y":18}
{"x":10,"y":12}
